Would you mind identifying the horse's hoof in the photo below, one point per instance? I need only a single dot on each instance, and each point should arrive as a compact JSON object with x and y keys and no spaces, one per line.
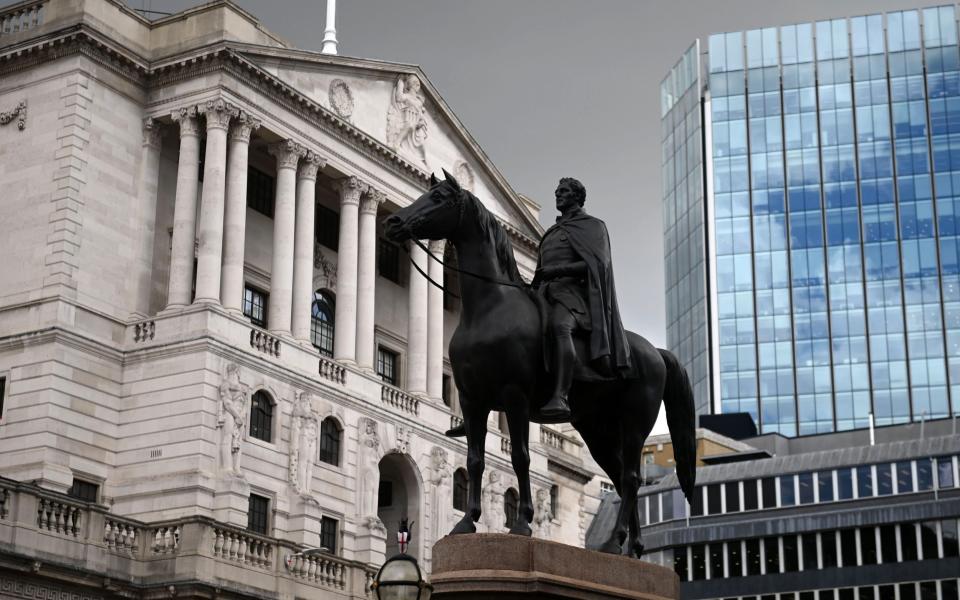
{"x":465,"y":525}
{"x":521,"y":528}
{"x":611,"y":547}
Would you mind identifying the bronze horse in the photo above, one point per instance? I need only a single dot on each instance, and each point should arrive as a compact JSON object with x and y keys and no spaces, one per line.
{"x":496,"y":354}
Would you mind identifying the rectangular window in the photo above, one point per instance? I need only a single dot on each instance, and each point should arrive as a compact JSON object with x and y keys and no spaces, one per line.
{"x":810,"y":553}
{"x":666,"y":501}
{"x":328,"y":534}
{"x":888,"y":544}
{"x":908,"y":541}
{"x":655,"y":508}
{"x":948,"y":529}
{"x":734,"y":559}
{"x":786,"y":491}
{"x":771,"y":555}
{"x":848,"y":547}
{"x":791,"y":556}
{"x":865,"y":593}
{"x":84,"y":490}
{"x":884,"y":479}
{"x":713,"y":499}
{"x":868,"y":546}
{"x":260,"y":192}
{"x":928,"y":590}
{"x":945,"y":472}
{"x":846,"y":594}
{"x":844,"y":484}
{"x":928,"y":540}
{"x":699,"y":558}
{"x":680,"y":563}
{"x":750,"y":494}
{"x":753,"y":557}
{"x":716,"y":560}
{"x":827,"y":595}
{"x":768,"y":487}
{"x":258,"y":514}
{"x":887,"y":592}
{"x":806,"y":487}
{"x":828,"y":549}
{"x":385,"y":494}
{"x":255,"y":306}
{"x":948,"y":589}
{"x":388,"y":260}
{"x":327,"y":227}
{"x":864,"y":481}
{"x":732,"y":493}
{"x":387,"y":367}
{"x":696,"y":507}
{"x":904,"y":477}
{"x":825,"y":486}
{"x":3,"y":389}
{"x":924,"y":474}
{"x":908,"y":591}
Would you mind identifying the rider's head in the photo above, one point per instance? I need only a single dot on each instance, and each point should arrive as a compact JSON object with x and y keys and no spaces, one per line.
{"x":576,"y":187}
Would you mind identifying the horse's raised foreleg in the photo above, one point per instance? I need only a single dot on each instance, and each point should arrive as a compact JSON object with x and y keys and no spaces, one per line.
{"x":475,"y":421}
{"x":518,"y":420}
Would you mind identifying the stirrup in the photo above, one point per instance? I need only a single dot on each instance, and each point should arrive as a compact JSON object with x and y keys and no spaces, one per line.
{"x":557,"y":408}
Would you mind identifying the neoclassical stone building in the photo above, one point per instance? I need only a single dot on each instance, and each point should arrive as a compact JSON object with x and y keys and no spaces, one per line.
{"x":209,"y":357}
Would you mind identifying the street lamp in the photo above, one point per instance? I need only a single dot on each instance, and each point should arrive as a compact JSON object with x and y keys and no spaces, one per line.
{"x":400,"y":578}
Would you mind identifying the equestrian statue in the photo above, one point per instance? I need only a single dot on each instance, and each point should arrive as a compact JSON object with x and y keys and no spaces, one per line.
{"x":550,"y":351}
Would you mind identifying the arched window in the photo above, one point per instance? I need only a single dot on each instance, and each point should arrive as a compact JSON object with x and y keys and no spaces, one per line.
{"x":261,"y":416}
{"x":460,"y":488}
{"x":330,"y":434}
{"x":321,"y":324}
{"x":511,"y":504}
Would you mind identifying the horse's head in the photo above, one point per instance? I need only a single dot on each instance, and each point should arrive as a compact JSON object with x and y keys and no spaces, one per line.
{"x":436,"y":215}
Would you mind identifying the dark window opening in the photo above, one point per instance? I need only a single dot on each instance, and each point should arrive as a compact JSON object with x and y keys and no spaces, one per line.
{"x":460,"y":487}
{"x":260,"y":192}
{"x":255,"y":306}
{"x":787,"y":495}
{"x":387,"y":365}
{"x":753,"y":557}
{"x":716,"y":560}
{"x":848,"y":547}
{"x":828,"y":549}
{"x":908,"y":541}
{"x":771,"y":554}
{"x":680,"y":563}
{"x":864,"y":482}
{"x":928,"y":540}
{"x":750,"y":494}
{"x":696,"y":507}
{"x":3,"y":389}
{"x":713,"y":499}
{"x":844,"y":484}
{"x":511,"y":504}
{"x":868,"y":546}
{"x":698,"y":552}
{"x":323,"y":311}
{"x":904,"y":477}
{"x":328,"y":534}
{"x":732,"y":493}
{"x":949,"y":530}
{"x":884,"y":479}
{"x":734,"y":559}
{"x":888,"y":544}
{"x":261,"y":417}
{"x":805,"y":481}
{"x":258,"y":512}
{"x":388,"y":261}
{"x":554,"y":500}
{"x":810,"y":553}
{"x":825,"y":485}
{"x":327,"y":227}
{"x":385,"y":495}
{"x":330,"y":434}
{"x":768,"y":487}
{"x":84,"y":490}
{"x":791,"y":554}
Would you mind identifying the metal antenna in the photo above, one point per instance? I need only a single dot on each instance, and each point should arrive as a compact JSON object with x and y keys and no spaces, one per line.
{"x":330,"y":33}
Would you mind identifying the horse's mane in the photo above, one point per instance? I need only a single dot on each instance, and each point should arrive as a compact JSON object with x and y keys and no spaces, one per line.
{"x":492,"y":228}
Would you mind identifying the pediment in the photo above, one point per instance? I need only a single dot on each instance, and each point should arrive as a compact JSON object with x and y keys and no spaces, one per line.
{"x":397,"y":106}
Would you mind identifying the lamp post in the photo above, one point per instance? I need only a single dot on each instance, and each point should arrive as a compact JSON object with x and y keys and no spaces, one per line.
{"x":400,"y":578}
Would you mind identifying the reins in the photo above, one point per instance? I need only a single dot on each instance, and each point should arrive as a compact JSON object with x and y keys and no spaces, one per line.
{"x":452,"y":268}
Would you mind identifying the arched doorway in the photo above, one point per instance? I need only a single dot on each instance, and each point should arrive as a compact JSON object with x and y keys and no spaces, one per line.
{"x":400,"y":493}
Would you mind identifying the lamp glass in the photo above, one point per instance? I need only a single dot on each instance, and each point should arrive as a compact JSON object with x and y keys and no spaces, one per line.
{"x":400,"y":570}
{"x":398,"y":592}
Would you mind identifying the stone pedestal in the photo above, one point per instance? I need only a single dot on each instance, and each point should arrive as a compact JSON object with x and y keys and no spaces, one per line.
{"x":303,"y":523}
{"x":509,"y":567}
{"x":232,"y":501}
{"x":371,"y":543}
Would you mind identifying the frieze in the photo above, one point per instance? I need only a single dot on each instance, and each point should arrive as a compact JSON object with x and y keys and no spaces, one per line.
{"x":18,"y":588}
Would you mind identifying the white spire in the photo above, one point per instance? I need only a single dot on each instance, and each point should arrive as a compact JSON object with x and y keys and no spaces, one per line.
{"x":330,"y":33}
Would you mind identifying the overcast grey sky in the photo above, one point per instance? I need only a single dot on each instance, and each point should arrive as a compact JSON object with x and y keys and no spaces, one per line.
{"x":553,"y":88}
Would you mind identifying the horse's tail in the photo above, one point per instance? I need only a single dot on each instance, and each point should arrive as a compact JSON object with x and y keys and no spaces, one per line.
{"x":681,"y":419}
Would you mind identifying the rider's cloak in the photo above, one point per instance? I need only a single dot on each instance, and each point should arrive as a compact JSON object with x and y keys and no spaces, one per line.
{"x":589,"y":238}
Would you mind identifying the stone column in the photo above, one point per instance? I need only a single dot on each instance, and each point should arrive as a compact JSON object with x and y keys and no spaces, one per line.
{"x":345,"y":320}
{"x":147,"y":214}
{"x":303,"y":245}
{"x":210,"y":253}
{"x":417,"y":323}
{"x":288,"y":154}
{"x":435,"y":324}
{"x":367,"y":276}
{"x":184,"y":210}
{"x":235,"y":219}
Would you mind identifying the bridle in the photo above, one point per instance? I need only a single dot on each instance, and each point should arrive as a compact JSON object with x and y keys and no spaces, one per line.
{"x":461,"y":209}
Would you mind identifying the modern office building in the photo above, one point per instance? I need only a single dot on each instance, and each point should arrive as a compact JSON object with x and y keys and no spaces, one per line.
{"x":822,"y":517}
{"x":811,"y":185}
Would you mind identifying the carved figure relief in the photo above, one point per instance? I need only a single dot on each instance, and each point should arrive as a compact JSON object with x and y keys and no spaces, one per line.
{"x":368,"y":475}
{"x":464,"y":175}
{"x":341,"y":98}
{"x":543,"y":514}
{"x":406,"y":122}
{"x":326,"y":267}
{"x":19,"y":113}
{"x":440,"y":478}
{"x":403,"y":439}
{"x":304,"y":430}
{"x":231,"y":419}
{"x":493,"y":514}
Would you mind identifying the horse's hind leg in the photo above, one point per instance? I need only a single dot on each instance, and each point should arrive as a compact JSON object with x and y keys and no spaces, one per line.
{"x":518,"y":420}
{"x":604,"y":446}
{"x":649,"y":395}
{"x":476,"y":423}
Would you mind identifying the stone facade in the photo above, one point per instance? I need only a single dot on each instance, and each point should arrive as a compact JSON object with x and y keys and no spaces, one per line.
{"x":127,"y":359}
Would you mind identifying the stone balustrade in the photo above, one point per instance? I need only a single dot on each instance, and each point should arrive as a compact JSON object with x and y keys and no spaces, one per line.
{"x":332,"y":370}
{"x":22,"y":17}
{"x":455,"y":421}
{"x":264,"y":342}
{"x":554,"y":440}
{"x":80,"y":536}
{"x":144,"y":331}
{"x":400,"y":400}
{"x":506,"y":446}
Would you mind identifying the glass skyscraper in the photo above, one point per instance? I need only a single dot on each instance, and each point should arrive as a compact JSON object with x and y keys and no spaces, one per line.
{"x":811,"y":191}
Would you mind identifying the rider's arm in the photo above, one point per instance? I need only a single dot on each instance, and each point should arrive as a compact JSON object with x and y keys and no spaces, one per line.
{"x":574,"y":269}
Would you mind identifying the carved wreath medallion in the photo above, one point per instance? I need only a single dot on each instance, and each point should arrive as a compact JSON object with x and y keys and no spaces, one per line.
{"x":341,"y":98}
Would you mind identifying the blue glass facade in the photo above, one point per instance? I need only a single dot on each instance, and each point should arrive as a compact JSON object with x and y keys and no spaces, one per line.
{"x":831,"y":245}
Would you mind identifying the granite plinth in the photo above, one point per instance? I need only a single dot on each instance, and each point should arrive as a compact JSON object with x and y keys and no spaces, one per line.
{"x":510,"y":567}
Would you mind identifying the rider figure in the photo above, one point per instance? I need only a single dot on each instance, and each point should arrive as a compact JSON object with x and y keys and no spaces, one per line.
{"x":575,"y":277}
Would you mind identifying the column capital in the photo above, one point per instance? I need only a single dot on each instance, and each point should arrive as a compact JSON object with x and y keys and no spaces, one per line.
{"x":187,"y":118}
{"x":372,"y":201}
{"x":310,"y":164}
{"x":217,"y":113}
{"x":243,"y":126}
{"x":437,"y":247}
{"x":287,"y":153}
{"x":350,"y":190}
{"x":152,"y":133}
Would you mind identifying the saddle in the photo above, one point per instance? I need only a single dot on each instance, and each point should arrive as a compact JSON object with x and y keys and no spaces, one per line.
{"x":585,"y":370}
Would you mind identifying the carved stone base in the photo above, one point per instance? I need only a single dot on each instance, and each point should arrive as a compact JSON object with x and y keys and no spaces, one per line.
{"x":304,"y":521}
{"x":232,"y":500}
{"x":510,"y":567}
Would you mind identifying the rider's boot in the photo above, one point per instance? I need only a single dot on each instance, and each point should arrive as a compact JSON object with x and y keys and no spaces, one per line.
{"x":458,"y":431}
{"x":564,"y":360}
